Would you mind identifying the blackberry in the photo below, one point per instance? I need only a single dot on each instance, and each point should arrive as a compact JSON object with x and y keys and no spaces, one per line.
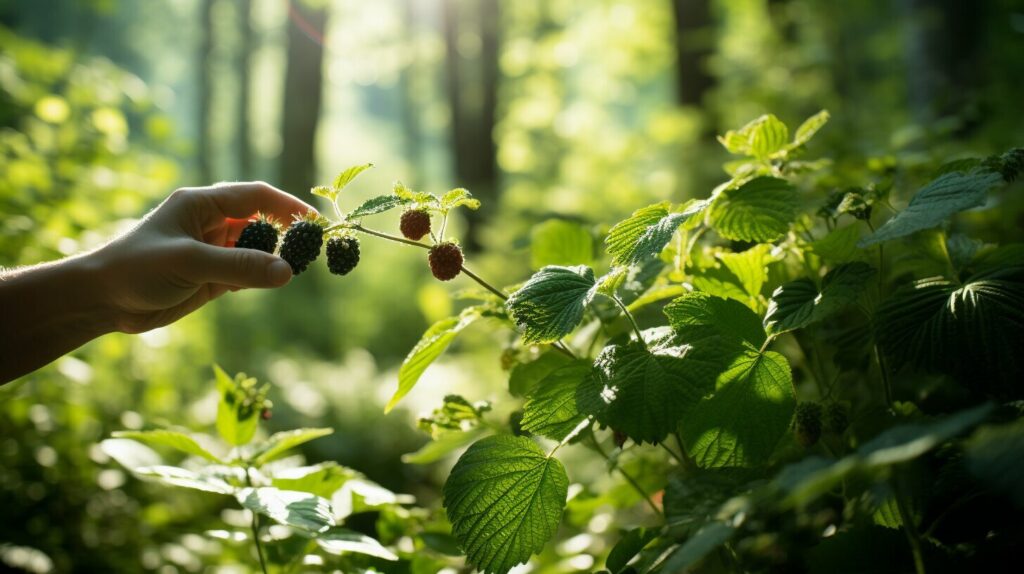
{"x":445,"y":261}
{"x":837,"y":418}
{"x":261,"y":234}
{"x":301,"y":244}
{"x":807,"y":423}
{"x":342,"y":254}
{"x":415,"y":223}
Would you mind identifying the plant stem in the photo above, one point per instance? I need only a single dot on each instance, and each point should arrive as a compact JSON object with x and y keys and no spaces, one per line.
{"x":256,"y":526}
{"x":883,"y":372}
{"x":632,"y":481}
{"x":908,"y":524}
{"x":632,"y":321}
{"x":484,"y":284}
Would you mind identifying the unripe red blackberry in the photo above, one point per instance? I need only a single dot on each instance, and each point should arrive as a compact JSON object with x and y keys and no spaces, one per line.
{"x":342,"y":254}
{"x":301,"y":244}
{"x":415,"y":223}
{"x":261,"y":234}
{"x":445,"y":261}
{"x":807,"y":423}
{"x":265,"y":414}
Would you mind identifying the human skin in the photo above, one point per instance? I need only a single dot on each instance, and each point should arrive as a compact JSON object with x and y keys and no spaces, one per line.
{"x":175,"y":260}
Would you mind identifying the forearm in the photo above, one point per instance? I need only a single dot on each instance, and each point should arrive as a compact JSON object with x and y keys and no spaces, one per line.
{"x":47,"y":311}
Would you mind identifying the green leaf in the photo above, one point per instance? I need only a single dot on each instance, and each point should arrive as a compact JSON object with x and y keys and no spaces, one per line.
{"x":973,"y":331}
{"x":430,"y":346}
{"x":768,"y":136}
{"x":560,"y":242}
{"x":129,"y":453}
{"x":728,"y":317}
{"x":299,"y":509}
{"x":995,"y":454}
{"x":840,"y":246}
{"x":183,"y":478}
{"x":504,"y":498}
{"x":799,"y":303}
{"x":340,"y":541}
{"x":346,"y":177}
{"x":750,"y":410}
{"x":760,"y":210}
{"x":525,"y":376}
{"x":551,"y":410}
{"x":644,"y":392}
{"x":693,"y":500}
{"x":325,"y":192}
{"x":322,"y":479}
{"x":934,"y":203}
{"x":629,"y":546}
{"x":176,"y":440}
{"x":234,"y":424}
{"x":809,"y":128}
{"x":376,"y":205}
{"x":550,"y":305}
{"x":708,"y":538}
{"x":419,"y":197}
{"x":646,"y":233}
{"x":459,"y":197}
{"x":444,"y":444}
{"x":750,"y":267}
{"x":280,"y":442}
{"x":721,"y":282}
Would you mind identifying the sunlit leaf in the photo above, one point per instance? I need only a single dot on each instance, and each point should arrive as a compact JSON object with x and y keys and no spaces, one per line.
{"x":760,"y":210}
{"x":183,"y":478}
{"x":344,"y":178}
{"x":560,"y":242}
{"x":340,"y":541}
{"x":281,"y":442}
{"x":298,"y":509}
{"x":376,"y":205}
{"x":459,"y":197}
{"x":809,"y":128}
{"x":551,"y":410}
{"x":550,"y":305}
{"x":444,"y":445}
{"x":129,"y":453}
{"x":646,"y":232}
{"x":768,"y":136}
{"x":322,"y":479}
{"x":176,"y":440}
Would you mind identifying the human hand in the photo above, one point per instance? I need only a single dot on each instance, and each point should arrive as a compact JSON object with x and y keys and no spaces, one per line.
{"x":180,"y":256}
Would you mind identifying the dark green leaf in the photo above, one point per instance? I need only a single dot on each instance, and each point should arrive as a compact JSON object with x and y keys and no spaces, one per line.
{"x":728,"y":317}
{"x":996,"y":456}
{"x":524,"y":376}
{"x":504,"y":498}
{"x":551,"y":410}
{"x":760,"y":210}
{"x":708,"y":538}
{"x":376,"y":205}
{"x":550,"y":305}
{"x":798,"y":304}
{"x":629,"y":546}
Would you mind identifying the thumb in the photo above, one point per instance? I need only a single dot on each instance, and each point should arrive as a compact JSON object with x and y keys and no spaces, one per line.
{"x":240,"y":267}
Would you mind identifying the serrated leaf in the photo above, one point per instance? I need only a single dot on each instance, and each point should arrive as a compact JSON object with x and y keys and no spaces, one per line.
{"x":418,"y":197}
{"x":750,"y":410}
{"x":840,"y":246}
{"x":551,"y":409}
{"x":340,"y":541}
{"x":750,"y":267}
{"x":322,"y":479}
{"x":768,"y":136}
{"x":644,"y":390}
{"x":280,"y":442}
{"x":504,"y":498}
{"x":183,"y":478}
{"x":232,"y":426}
{"x":459,"y":197}
{"x":299,"y":509}
{"x":646,"y":232}
{"x":325,"y":192}
{"x":728,"y":317}
{"x":443,"y":445}
{"x":799,"y":303}
{"x":344,"y":178}
{"x":430,"y":346}
{"x":934,"y":203}
{"x":721,"y":282}
{"x":376,"y":205}
{"x":176,"y":440}
{"x":760,"y":210}
{"x":560,"y":242}
{"x":525,"y":376}
{"x":809,"y":128}
{"x":974,"y":331}
{"x":550,"y":305}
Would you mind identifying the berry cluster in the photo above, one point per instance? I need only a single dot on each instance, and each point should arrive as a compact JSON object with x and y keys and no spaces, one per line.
{"x":812,"y":419}
{"x":302,"y":243}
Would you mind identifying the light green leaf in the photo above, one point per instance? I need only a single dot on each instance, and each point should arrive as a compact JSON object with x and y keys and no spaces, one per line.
{"x":280,"y":442}
{"x":504,"y":498}
{"x":445,"y":444}
{"x":183,"y":478}
{"x":325,"y":192}
{"x":176,"y":440}
{"x":550,"y":305}
{"x":459,"y":197}
{"x":322,"y":479}
{"x":560,"y":242}
{"x":418,"y":197}
{"x":433,"y":342}
{"x":235,"y":425}
{"x":376,"y":205}
{"x":750,"y":410}
{"x":934,"y":203}
{"x":728,"y":317}
{"x":797,"y":304}
{"x":721,"y":282}
{"x":644,"y":390}
{"x":646,"y":233}
{"x":129,"y":453}
{"x":340,"y":541}
{"x":809,"y":128}
{"x":768,"y":136}
{"x":760,"y":210}
{"x":346,"y":177}
{"x":750,"y":267}
{"x":551,"y":410}
{"x":299,"y":509}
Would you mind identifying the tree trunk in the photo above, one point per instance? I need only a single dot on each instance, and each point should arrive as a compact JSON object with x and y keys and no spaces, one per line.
{"x":205,"y":97}
{"x":243,"y":134}
{"x":407,"y":85}
{"x":302,"y":94}
{"x":693,"y":46}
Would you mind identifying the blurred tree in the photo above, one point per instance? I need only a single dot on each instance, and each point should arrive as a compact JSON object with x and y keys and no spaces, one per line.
{"x":204,"y":67}
{"x":303,"y":87}
{"x":694,"y":40}
{"x":243,"y":137}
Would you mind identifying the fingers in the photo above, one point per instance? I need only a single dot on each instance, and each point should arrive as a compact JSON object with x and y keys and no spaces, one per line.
{"x":237,"y":267}
{"x":242,"y":200}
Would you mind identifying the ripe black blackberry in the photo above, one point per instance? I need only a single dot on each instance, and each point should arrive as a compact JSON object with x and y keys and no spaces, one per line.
{"x":837,"y":418}
{"x":342,"y":254}
{"x":807,"y":423}
{"x":415,"y":223}
{"x":445,"y":261}
{"x":260,"y":234}
{"x":301,"y":244}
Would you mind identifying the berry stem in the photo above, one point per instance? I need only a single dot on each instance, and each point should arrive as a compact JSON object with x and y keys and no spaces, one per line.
{"x":256,"y":526}
{"x":632,"y":321}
